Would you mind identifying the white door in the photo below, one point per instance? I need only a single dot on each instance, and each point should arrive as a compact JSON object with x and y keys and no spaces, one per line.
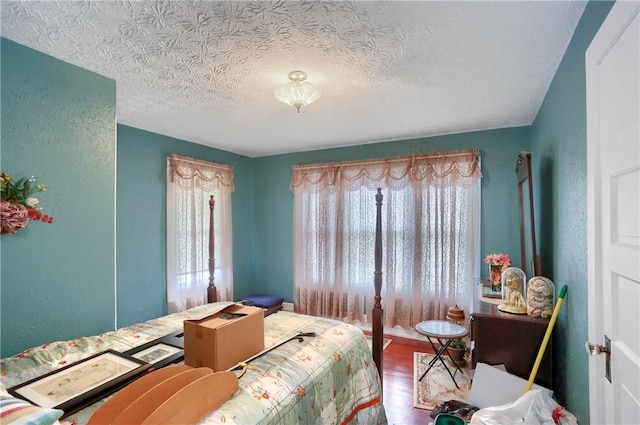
{"x":613,"y":166}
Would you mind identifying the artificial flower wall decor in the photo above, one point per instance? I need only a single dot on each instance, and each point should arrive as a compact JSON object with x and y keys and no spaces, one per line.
{"x":18,"y":205}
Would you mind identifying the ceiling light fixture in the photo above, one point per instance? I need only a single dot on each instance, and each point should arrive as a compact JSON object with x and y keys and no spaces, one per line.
{"x":297,"y":92}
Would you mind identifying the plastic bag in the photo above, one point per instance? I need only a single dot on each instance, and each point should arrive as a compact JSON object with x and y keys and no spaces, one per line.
{"x":535,"y":407}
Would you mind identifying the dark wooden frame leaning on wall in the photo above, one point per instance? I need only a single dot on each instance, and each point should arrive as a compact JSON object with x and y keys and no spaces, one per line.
{"x":528,"y":250}
{"x":62,"y":388}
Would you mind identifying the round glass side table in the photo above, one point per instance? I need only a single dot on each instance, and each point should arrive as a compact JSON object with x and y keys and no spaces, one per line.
{"x":444,"y":332}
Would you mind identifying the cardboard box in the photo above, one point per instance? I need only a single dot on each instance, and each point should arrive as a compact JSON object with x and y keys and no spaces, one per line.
{"x":221,"y":340}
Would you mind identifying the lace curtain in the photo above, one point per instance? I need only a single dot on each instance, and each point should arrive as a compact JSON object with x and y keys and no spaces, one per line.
{"x":431,"y":232}
{"x":190,"y":184}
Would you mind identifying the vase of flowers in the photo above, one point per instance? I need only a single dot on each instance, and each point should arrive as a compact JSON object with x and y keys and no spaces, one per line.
{"x":497,"y":263}
{"x":17,"y":204}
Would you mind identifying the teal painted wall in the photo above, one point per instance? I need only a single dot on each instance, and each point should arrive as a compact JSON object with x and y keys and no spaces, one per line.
{"x":273,"y":240}
{"x":57,"y":125}
{"x":141,"y":224}
{"x":559,"y":165}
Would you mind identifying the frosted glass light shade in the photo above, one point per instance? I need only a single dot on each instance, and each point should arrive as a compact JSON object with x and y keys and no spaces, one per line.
{"x":297,"y":92}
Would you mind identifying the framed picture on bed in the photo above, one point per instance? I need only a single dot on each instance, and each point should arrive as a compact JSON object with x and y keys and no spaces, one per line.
{"x":81,"y":383}
{"x":162,"y":351}
{"x":175,"y":338}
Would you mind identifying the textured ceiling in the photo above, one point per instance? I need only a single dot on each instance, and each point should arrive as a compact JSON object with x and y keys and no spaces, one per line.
{"x":205,"y":71}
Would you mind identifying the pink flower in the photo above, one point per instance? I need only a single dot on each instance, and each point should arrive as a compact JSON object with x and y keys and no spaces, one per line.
{"x":498,"y":259}
{"x":14,"y":217}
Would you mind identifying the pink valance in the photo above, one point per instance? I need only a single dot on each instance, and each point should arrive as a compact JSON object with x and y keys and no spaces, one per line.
{"x":191,"y":168}
{"x":447,"y":168}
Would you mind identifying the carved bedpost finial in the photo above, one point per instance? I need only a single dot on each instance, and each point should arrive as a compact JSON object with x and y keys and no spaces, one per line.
{"x":212,"y":293}
{"x":377,"y":282}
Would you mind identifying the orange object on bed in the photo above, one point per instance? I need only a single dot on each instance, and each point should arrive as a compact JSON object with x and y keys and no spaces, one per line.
{"x":176,"y":394}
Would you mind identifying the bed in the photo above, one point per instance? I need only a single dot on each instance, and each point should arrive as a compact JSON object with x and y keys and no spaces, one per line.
{"x":329,"y":378}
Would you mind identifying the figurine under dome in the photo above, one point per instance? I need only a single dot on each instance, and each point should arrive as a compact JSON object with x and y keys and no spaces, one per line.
{"x":540,"y":297}
{"x":513,"y":291}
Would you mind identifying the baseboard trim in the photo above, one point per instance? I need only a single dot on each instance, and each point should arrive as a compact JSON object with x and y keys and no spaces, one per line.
{"x":287,"y":306}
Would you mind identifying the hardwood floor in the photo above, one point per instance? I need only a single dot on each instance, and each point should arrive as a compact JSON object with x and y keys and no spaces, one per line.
{"x":397,"y":382}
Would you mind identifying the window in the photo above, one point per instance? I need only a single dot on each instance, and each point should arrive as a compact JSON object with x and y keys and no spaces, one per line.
{"x":431,"y":216}
{"x":191,"y":183}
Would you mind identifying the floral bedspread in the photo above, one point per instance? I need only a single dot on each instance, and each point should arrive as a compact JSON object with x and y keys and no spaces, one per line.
{"x":326,"y":379}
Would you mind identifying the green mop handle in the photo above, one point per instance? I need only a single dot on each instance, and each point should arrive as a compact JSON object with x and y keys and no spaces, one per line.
{"x":545,"y":340}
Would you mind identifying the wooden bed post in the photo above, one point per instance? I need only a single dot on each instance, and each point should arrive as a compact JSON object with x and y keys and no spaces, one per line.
{"x":212,"y":295}
{"x":377,"y":327}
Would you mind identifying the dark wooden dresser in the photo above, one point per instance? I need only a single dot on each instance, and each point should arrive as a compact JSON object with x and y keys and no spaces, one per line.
{"x":509,"y":339}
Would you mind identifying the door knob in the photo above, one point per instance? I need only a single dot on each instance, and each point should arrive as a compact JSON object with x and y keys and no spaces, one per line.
{"x":595,"y":349}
